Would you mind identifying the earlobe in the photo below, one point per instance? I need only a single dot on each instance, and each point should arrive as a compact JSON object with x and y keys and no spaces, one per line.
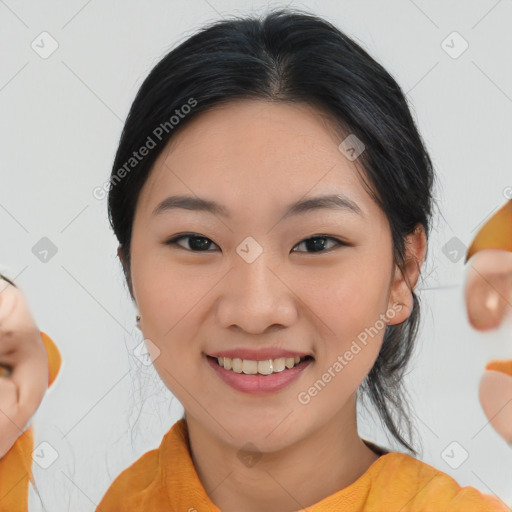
{"x":400,"y":293}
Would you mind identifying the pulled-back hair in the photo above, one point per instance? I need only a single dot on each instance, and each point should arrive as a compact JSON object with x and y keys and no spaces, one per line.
{"x":295,"y":57}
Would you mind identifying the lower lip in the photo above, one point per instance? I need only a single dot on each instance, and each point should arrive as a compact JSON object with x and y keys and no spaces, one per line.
{"x":258,"y":384}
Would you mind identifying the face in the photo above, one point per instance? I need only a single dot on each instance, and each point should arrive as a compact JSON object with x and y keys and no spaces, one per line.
{"x":313,"y":282}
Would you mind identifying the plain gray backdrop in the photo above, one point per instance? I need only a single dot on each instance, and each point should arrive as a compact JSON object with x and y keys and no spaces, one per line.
{"x":69,"y":71}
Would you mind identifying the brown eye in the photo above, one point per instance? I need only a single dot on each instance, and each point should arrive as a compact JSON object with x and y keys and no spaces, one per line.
{"x":196,"y":243}
{"x":318,"y":243}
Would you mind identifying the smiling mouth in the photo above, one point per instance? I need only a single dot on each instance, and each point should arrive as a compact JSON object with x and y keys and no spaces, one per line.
{"x":264,"y":367}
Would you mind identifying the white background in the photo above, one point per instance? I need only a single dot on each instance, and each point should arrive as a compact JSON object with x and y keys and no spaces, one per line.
{"x":61,"y":119}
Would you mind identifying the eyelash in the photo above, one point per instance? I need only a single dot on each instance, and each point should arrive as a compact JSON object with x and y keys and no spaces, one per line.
{"x":174,"y":241}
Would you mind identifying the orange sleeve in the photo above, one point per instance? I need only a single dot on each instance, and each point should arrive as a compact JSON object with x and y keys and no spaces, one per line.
{"x":496,"y":233}
{"x":54,"y":358}
{"x":16,"y":465}
{"x":500,"y":365}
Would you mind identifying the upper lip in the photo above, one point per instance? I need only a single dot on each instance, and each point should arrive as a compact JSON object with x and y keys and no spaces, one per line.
{"x":258,"y":355}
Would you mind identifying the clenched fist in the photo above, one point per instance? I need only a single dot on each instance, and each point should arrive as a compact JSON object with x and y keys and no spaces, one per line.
{"x":488,"y":297}
{"x":23,"y":365}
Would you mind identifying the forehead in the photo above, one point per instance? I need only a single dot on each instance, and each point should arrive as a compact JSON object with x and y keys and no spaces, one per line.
{"x":252,"y":154}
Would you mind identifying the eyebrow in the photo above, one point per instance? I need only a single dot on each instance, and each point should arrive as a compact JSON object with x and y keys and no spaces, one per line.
{"x":331,"y":202}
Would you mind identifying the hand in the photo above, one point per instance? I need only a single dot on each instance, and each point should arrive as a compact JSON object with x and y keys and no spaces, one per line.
{"x":488,"y":291}
{"x":488,"y":297}
{"x":23,"y":365}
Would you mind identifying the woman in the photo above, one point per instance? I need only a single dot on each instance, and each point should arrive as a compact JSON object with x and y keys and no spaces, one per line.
{"x":272,"y":200}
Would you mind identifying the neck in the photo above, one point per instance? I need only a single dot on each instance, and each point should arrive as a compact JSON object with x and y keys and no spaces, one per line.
{"x":329,"y":458}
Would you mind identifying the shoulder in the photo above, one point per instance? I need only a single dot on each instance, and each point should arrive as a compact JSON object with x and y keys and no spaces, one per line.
{"x":419,"y":486}
{"x":129,"y":488}
{"x":142,"y":486}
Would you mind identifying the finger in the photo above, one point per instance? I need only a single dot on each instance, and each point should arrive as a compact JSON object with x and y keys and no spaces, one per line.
{"x":10,"y":427}
{"x":20,"y":396}
{"x":495,"y":393}
{"x":8,"y":299}
{"x":30,"y":375}
{"x":16,"y":319}
{"x":488,"y":290}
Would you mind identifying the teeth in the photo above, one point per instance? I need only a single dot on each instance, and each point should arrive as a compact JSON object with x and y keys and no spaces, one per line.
{"x":237,"y":365}
{"x":249,"y":367}
{"x":265,"y":367}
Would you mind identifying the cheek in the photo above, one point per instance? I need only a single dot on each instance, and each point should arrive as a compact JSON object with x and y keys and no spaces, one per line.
{"x":161,"y":288}
{"x":347,"y":299}
{"x":348,"y":303}
{"x":172,"y":298}
{"x":169,"y":302}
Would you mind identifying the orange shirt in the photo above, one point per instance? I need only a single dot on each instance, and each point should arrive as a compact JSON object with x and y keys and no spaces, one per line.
{"x":165,"y":479}
{"x":16,"y":464}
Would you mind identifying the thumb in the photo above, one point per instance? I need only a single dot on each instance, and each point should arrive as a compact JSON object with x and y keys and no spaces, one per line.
{"x":495,"y":393}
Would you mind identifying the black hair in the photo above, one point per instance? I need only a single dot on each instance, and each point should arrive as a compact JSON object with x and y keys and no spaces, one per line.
{"x":295,"y":57}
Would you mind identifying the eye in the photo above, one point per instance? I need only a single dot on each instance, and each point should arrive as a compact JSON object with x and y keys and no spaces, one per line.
{"x":317,"y":243}
{"x":199,"y":243}
{"x":196,"y":243}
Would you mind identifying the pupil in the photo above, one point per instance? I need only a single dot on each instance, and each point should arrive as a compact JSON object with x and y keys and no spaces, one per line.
{"x":194,"y":244}
{"x":315,"y":244}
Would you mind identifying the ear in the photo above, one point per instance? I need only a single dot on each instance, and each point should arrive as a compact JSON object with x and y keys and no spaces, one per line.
{"x":401,"y":286}
{"x":126,"y":271}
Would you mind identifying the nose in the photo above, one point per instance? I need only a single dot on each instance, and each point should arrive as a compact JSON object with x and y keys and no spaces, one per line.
{"x":256,"y":297}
